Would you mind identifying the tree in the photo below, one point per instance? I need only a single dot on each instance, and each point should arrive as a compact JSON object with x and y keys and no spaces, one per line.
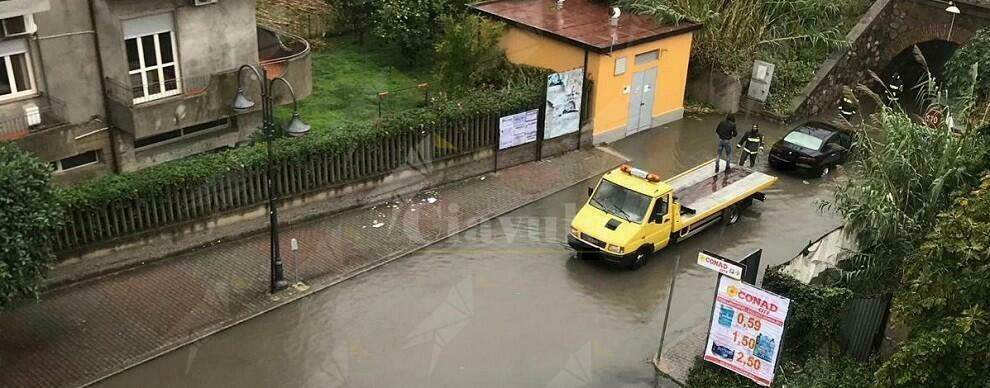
{"x":467,"y":54}
{"x":31,"y":214}
{"x":967,"y":75}
{"x":413,"y":25}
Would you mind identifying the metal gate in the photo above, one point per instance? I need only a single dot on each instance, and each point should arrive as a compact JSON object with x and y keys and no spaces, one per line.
{"x":862,"y":324}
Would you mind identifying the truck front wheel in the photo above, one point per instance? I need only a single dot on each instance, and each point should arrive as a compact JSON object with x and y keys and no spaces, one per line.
{"x":639,"y":259}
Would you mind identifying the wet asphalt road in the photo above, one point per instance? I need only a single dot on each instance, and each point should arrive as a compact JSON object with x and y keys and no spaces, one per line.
{"x":504,"y":304}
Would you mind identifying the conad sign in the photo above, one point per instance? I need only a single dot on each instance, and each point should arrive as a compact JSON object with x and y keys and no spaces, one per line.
{"x":721,"y":266}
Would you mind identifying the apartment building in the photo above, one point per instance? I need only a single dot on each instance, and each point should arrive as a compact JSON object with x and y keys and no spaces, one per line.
{"x":103,"y":86}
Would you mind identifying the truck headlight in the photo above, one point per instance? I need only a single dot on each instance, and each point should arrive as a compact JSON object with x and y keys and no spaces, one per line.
{"x":616,"y":249}
{"x":575,"y":232}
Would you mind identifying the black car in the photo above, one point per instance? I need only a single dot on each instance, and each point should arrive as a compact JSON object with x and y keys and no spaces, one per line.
{"x":813,"y":146}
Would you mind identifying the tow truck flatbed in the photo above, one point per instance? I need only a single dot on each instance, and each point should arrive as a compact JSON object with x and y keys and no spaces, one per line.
{"x":703,"y":192}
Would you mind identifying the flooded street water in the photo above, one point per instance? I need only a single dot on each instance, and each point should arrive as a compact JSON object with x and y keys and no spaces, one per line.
{"x":505,"y":304}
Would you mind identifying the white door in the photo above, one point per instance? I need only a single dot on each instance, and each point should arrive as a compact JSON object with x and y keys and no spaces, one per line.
{"x":641,"y":101}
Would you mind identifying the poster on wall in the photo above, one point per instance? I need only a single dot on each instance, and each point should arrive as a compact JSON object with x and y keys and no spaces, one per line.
{"x":563,"y":114}
{"x":517,"y":129}
{"x":746,"y":330}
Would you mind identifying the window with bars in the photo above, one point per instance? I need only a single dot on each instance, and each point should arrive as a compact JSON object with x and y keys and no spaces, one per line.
{"x":151,"y":58}
{"x":16,"y":77}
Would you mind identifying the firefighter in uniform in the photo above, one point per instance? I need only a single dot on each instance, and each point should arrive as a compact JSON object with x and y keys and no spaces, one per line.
{"x":895,"y":89}
{"x":847,"y":108}
{"x":751,"y":144}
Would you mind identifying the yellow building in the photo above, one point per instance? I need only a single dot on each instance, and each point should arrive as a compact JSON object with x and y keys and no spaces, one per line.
{"x":638,"y":67}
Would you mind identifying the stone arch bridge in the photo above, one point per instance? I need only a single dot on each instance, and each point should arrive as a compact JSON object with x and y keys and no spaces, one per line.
{"x":882,"y":41}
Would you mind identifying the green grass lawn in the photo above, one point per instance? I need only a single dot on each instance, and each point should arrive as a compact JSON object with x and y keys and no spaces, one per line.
{"x":347,"y":76}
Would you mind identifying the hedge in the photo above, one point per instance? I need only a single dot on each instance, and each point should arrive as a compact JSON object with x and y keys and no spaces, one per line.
{"x":522,"y":91}
{"x":814,"y":312}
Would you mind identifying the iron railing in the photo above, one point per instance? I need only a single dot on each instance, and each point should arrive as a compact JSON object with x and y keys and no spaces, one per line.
{"x":50,"y":113}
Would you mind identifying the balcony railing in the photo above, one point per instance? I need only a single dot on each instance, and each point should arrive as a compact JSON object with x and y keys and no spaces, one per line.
{"x":129,"y":95}
{"x":50,"y":113}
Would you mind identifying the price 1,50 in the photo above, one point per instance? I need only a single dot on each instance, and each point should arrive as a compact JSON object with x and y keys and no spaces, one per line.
{"x":744,"y":340}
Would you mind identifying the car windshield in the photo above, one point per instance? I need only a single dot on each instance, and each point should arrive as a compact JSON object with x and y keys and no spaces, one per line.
{"x":620,"y":201}
{"x":803,"y":140}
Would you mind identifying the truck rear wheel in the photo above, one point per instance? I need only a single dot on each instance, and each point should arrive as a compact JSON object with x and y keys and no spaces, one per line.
{"x":730,"y":215}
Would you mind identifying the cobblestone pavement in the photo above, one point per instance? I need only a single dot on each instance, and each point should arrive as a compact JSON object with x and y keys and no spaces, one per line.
{"x":678,"y":357}
{"x":81,"y":334}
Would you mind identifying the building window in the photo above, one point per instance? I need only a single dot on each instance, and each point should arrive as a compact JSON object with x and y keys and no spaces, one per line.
{"x":178,"y":133}
{"x":77,"y":161}
{"x":16,"y":75}
{"x":151,"y":57}
{"x":17,"y":26}
{"x":647,"y":57}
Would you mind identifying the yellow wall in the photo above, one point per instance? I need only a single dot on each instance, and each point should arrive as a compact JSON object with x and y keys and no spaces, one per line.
{"x":611,"y":106}
{"x":531,"y":49}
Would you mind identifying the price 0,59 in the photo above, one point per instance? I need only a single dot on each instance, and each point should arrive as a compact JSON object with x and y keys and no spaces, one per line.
{"x":748,"y":322}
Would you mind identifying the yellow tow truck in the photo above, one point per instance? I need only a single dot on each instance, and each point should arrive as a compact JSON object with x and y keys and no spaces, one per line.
{"x":632,"y":213}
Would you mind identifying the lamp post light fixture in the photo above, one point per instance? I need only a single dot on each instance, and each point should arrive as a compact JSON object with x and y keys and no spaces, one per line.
{"x":295,"y":128}
{"x":954,"y":10}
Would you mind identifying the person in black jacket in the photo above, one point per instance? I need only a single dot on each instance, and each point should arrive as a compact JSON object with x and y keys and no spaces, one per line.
{"x":751,"y":143}
{"x":726,"y":130}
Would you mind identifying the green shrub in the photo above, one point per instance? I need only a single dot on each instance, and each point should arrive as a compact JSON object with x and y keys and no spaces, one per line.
{"x":523,"y":92}
{"x":944,"y":290}
{"x":813,"y":318}
{"x":413,"y":25}
{"x":952,"y":353}
{"x":31,"y":214}
{"x":468,"y":54}
{"x":828,"y":372}
{"x":958,"y":71}
{"x":704,"y":374}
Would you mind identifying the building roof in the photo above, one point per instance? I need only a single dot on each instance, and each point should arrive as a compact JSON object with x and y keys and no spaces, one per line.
{"x":582,"y":23}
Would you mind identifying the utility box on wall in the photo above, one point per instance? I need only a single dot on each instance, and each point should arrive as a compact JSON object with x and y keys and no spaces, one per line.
{"x":759,"y":81}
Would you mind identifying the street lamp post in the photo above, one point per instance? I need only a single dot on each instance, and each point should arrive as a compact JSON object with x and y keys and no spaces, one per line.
{"x":954,"y":10}
{"x":296,"y":127}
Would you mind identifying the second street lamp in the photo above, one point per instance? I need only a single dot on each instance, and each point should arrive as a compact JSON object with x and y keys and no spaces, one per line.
{"x":295,"y":128}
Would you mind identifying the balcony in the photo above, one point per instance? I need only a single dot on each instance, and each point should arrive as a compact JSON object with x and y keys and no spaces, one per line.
{"x":206,"y":97}
{"x":12,"y":8}
{"x":36,"y":115}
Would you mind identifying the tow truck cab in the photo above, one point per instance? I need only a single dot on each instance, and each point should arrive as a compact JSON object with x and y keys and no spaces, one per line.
{"x":630,"y":215}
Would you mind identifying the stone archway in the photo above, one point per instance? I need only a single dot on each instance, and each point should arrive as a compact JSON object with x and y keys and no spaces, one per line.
{"x":911,"y":36}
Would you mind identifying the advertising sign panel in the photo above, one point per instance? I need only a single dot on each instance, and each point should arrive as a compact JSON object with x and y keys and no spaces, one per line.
{"x":724,"y":267}
{"x":746,"y":330}
{"x":517,"y":129}
{"x":564,"y":103}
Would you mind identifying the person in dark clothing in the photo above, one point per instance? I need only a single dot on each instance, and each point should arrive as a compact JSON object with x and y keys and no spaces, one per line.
{"x":895,"y":89}
{"x":726,"y":130}
{"x":751,"y":144}
{"x":847,"y":108}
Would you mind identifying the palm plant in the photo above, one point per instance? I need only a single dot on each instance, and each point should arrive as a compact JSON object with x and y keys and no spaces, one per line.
{"x":735,"y":30}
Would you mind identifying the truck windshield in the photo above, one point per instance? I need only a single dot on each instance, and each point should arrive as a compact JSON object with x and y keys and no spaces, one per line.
{"x":620,"y":201}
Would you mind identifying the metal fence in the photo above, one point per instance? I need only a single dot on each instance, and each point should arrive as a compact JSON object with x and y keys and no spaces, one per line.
{"x":862,"y":325}
{"x":244,"y":188}
{"x":50,"y":113}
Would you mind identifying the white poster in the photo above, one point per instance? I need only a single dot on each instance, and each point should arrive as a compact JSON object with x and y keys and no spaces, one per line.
{"x":564,"y":103}
{"x":517,"y":129}
{"x":747,"y":327}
